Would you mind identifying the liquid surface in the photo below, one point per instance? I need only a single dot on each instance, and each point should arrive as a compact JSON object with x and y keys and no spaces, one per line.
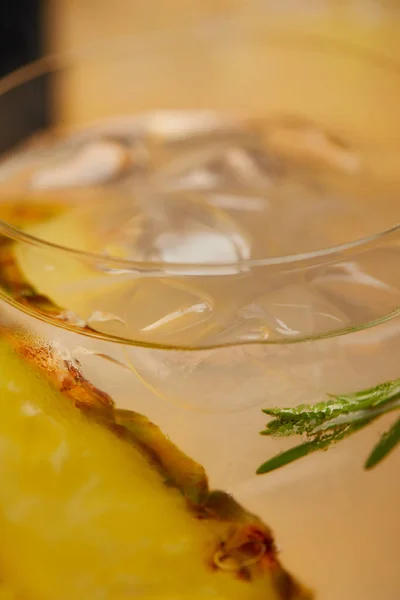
{"x":188,"y":199}
{"x":206,"y":188}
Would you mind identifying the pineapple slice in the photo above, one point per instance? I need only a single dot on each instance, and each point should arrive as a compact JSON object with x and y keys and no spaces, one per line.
{"x":96,"y":503}
{"x":59,"y":275}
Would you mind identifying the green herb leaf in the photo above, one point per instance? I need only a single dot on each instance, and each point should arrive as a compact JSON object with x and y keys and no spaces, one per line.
{"x":387,"y":443}
{"x":304,"y":419}
{"x":321,"y":441}
{"x":284,"y":458}
{"x":326,"y":423}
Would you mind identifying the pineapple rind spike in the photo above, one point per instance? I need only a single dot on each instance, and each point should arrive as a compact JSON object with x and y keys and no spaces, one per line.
{"x":181,"y":471}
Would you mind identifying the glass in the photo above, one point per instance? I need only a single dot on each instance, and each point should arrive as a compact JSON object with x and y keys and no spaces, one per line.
{"x":263,"y":272}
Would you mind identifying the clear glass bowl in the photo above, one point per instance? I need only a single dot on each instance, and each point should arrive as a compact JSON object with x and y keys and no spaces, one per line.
{"x":200,"y":347}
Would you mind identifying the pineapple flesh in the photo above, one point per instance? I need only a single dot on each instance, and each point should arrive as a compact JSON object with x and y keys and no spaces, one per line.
{"x":96,"y":504}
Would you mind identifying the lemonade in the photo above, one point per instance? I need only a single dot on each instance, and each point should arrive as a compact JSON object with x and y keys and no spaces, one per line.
{"x":200,"y":266}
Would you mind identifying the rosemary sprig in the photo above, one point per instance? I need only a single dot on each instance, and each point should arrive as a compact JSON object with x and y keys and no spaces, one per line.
{"x":326,"y":423}
{"x":387,"y":443}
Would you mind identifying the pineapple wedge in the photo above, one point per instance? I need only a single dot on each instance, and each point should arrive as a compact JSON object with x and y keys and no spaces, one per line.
{"x":60,"y":275}
{"x":97,"y":504}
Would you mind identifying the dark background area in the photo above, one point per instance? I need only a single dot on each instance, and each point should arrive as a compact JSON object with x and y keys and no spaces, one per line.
{"x":21,"y":35}
{"x":24,"y":110}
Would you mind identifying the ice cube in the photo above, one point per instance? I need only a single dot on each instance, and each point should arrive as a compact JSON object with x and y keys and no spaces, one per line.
{"x":171,"y":228}
{"x":95,"y":163}
{"x":230,"y":159}
{"x":302,"y":140}
{"x":371,"y":274}
{"x":290,"y":311}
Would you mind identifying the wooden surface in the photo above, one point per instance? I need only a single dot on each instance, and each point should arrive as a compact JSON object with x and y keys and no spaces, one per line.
{"x":230,"y":77}
{"x":74,"y":23}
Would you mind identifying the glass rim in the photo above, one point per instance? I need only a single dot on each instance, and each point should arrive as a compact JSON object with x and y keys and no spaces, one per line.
{"x":277,"y":36}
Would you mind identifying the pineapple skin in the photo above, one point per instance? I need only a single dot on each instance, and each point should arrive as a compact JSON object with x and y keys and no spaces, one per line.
{"x":95,"y":504}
